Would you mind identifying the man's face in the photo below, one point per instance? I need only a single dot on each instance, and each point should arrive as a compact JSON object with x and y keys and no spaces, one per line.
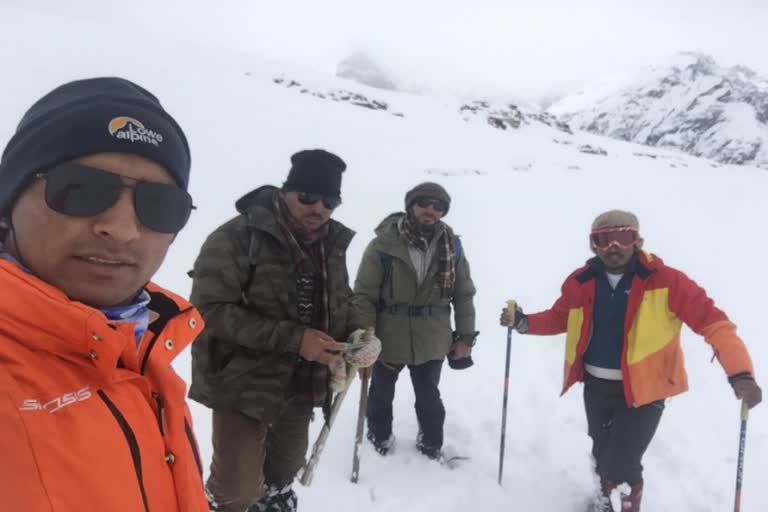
{"x":312,"y":217}
{"x":428,"y":211}
{"x":615,"y":246}
{"x":103,"y":260}
{"x":615,"y":258}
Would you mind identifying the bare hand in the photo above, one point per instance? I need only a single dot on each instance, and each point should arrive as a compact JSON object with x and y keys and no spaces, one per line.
{"x":318,"y":346}
{"x":460,"y":350}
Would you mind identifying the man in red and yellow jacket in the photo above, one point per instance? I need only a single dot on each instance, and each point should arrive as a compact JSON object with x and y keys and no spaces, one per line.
{"x":622,"y":313}
{"x":92,"y":416}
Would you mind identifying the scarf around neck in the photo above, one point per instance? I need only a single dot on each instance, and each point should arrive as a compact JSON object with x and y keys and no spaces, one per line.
{"x":446,"y":252}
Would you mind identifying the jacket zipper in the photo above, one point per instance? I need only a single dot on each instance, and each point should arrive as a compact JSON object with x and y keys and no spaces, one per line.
{"x":133,"y":445}
{"x":193,"y":445}
{"x":157,"y":328}
{"x":638,"y":289}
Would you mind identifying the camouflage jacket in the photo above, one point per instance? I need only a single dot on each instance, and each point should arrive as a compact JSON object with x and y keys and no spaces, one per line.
{"x":412,"y":321}
{"x":247,"y":358}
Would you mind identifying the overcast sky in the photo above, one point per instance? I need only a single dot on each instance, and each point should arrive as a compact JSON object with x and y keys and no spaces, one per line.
{"x":494,"y":47}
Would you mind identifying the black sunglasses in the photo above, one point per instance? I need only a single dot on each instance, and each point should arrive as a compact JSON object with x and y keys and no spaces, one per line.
{"x":82,"y":191}
{"x":437,"y":204}
{"x":308,"y":198}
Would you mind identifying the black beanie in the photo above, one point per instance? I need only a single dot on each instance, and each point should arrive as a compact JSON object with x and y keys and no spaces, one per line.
{"x":315,"y":171}
{"x":430,"y":190}
{"x":91,"y":116}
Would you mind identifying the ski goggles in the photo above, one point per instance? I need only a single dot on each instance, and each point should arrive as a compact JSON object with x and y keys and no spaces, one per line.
{"x":437,"y":204}
{"x":308,"y":198}
{"x":79,"y":190}
{"x":623,"y":237}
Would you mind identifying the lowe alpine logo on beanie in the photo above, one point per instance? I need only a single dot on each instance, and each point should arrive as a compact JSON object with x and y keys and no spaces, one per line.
{"x":128,"y":128}
{"x":84,"y":117}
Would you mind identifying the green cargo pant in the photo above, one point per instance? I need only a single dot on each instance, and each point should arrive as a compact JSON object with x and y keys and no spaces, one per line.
{"x":248,"y":453}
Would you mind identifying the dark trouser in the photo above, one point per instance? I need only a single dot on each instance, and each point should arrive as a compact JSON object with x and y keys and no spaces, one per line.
{"x":620,"y":434}
{"x":247,"y":454}
{"x":429,"y":407}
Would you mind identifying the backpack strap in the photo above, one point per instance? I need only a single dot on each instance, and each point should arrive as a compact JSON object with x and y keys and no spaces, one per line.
{"x":457,"y":248}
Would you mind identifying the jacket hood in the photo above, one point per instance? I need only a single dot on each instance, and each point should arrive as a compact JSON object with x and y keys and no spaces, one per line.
{"x":388,"y":226}
{"x":389,"y":222}
{"x":257,"y":205}
{"x":261,"y":196}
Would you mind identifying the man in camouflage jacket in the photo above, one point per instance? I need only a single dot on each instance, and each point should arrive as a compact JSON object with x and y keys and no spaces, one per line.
{"x":410,"y":276}
{"x":273,"y":287}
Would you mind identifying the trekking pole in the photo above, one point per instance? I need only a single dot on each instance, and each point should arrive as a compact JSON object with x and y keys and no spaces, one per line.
{"x":308,"y":471}
{"x":351,"y":359}
{"x":740,"y":465}
{"x":511,"y":306}
{"x":360,"y":424}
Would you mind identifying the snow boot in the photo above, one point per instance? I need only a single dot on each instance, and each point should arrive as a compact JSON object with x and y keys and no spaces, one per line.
{"x":276,"y":499}
{"x":431,"y":452}
{"x":631,"y":502}
{"x":602,"y":502}
{"x":382,"y":446}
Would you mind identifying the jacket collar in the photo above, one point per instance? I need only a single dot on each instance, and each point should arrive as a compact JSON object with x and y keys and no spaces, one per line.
{"x":42,"y":318}
{"x":643,"y":265}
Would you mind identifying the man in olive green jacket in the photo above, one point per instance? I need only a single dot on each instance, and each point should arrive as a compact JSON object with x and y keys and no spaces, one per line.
{"x":411,"y":274}
{"x":273,"y":288}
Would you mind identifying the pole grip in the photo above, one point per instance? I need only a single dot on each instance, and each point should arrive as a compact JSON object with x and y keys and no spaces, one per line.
{"x":744,"y":411}
{"x":512,"y":308}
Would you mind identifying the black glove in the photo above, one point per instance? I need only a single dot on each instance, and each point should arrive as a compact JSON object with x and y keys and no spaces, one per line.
{"x":460,"y":364}
{"x":745,"y":388}
{"x":464,"y":362}
{"x":515,"y":319}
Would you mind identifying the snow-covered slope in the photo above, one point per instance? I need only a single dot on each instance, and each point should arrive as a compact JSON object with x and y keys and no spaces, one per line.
{"x":690,"y":103}
{"x":523,"y":201}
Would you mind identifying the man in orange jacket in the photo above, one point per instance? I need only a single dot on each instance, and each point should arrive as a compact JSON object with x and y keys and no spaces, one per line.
{"x":622,"y":313}
{"x":92,"y":416}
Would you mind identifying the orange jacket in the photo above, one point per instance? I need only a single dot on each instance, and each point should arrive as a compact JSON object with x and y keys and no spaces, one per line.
{"x":87,"y":421}
{"x":660,"y":300}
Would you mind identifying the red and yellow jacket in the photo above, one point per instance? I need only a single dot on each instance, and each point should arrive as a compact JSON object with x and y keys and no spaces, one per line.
{"x":87,"y":420}
{"x":660,"y":300}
